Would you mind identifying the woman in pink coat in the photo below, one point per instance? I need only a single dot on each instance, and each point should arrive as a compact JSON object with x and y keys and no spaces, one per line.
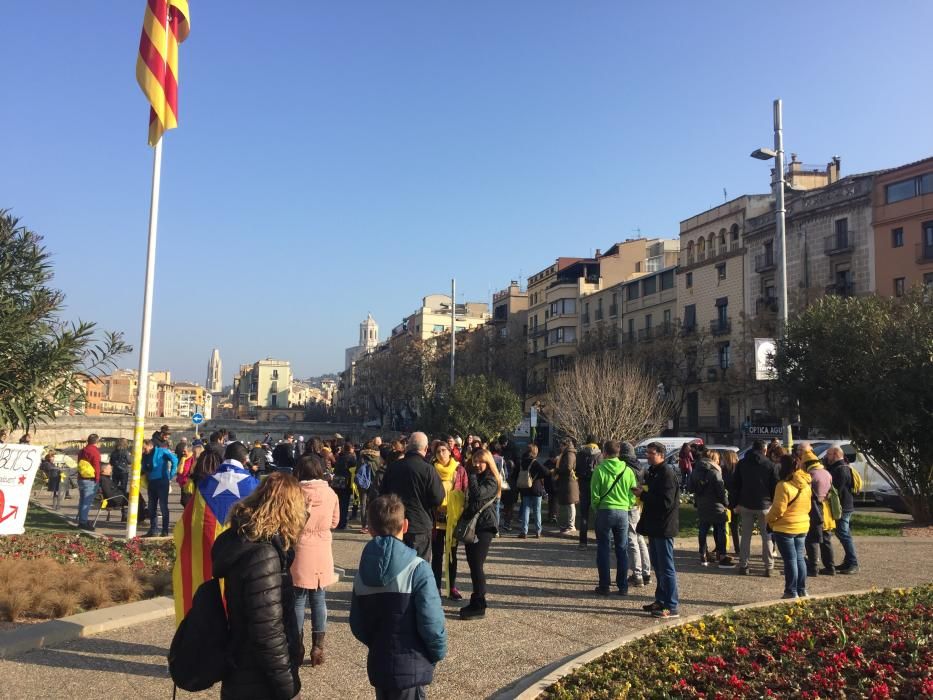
{"x":313,"y":568}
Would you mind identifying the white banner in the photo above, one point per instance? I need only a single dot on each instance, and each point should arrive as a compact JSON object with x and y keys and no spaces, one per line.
{"x":764,"y":359}
{"x":18,"y":467}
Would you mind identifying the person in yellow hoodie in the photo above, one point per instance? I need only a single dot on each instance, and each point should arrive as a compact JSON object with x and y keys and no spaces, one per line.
{"x":819,"y":538}
{"x":789,"y":521}
{"x":443,"y":543}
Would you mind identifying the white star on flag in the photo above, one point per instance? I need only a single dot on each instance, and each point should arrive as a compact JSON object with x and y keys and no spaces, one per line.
{"x":227,"y":481}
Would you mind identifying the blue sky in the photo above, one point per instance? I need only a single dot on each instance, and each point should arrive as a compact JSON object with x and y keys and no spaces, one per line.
{"x":340,"y":158}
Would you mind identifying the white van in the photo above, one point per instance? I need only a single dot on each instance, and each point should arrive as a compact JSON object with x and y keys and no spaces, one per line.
{"x":672,"y":445}
{"x":872,"y":478}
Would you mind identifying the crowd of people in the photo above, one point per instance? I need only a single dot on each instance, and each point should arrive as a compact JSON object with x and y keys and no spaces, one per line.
{"x":420,"y":499}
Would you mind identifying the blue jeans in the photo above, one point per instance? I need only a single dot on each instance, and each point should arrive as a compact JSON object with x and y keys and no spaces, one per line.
{"x":158,"y":495}
{"x":318,"y":608}
{"x":531,"y":504}
{"x":844,"y":533}
{"x":661,"y":551}
{"x":87,"y":489}
{"x":795,"y":565}
{"x":612,"y":523}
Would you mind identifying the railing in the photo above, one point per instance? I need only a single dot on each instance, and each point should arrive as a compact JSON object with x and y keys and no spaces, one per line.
{"x":688,"y":330}
{"x":764,"y":262}
{"x":664,"y":330}
{"x":720,"y":326}
{"x":924,"y":253}
{"x":841,"y":290}
{"x":838,"y":243}
{"x":644,"y":333}
{"x":766,"y":305}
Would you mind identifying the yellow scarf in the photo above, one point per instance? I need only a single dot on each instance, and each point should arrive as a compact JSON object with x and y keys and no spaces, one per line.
{"x":454,"y":502}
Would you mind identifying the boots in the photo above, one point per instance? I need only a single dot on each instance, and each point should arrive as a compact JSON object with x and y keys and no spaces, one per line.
{"x":475,"y":610}
{"x":317,"y":648}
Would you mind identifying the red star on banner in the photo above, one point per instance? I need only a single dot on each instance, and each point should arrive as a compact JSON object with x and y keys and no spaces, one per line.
{"x":22,"y":480}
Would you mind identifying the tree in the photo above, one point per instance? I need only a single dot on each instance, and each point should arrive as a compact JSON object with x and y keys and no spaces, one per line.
{"x":863,"y":368}
{"x":485,"y":406}
{"x":606,"y":396}
{"x":44,"y":362}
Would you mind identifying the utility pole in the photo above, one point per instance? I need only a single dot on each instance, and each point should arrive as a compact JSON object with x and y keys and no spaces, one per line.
{"x":453,"y":330}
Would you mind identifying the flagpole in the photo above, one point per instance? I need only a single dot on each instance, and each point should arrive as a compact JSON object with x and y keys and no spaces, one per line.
{"x":142,"y":393}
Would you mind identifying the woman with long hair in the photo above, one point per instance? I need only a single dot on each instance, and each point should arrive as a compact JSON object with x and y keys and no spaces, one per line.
{"x":483,"y":488}
{"x":530,"y":482}
{"x":253,"y":557}
{"x":205,"y":465}
{"x":183,"y":477}
{"x":728,"y":460}
{"x":789,"y":520}
{"x":313,"y":569}
{"x":443,"y":545}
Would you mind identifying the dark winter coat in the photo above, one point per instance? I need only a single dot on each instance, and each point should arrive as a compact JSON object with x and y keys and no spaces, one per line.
{"x":284,"y":456}
{"x":396,"y":612}
{"x":754,"y":482}
{"x":568,"y":487}
{"x":266,"y":647}
{"x":481,"y":488}
{"x":709,"y":492}
{"x":588,"y":458}
{"x":842,"y":480}
{"x":416,"y":482}
{"x":660,"y":516}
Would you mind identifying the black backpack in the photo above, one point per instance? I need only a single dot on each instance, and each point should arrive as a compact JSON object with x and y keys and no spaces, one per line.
{"x":197,"y":658}
{"x":586,"y":464}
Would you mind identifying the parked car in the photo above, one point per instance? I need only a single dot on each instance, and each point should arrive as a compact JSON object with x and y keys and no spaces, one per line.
{"x":672,"y":446}
{"x":890,"y":497}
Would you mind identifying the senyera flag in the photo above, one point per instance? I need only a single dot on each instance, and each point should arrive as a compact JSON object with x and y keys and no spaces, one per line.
{"x":165,"y":26}
{"x":205,"y":517}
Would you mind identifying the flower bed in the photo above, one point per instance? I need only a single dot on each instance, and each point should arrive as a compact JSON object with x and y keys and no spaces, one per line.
{"x":874,"y":646}
{"x":49,"y":575}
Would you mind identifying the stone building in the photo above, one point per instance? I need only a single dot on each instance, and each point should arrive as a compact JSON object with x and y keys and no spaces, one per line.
{"x":215,"y":377}
{"x":369,"y":339}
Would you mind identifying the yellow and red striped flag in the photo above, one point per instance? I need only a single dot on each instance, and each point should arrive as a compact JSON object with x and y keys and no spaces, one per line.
{"x":165,"y":26}
{"x":204,"y":519}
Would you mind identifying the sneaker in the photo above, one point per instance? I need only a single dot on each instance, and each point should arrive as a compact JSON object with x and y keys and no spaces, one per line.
{"x":564,"y":530}
{"x":665,"y":614}
{"x":652,"y":607}
{"x":622,"y":592}
{"x":646,"y":579}
{"x":802,"y":594}
{"x":827,"y":571}
{"x":789,"y":596}
{"x":847,"y":570}
{"x":599,"y":590}
{"x":472,"y":612}
{"x":522,"y":536}
{"x":455,"y":594}
{"x":572,"y":530}
{"x":635,"y":581}
{"x":726,"y":563}
{"x":537,"y":535}
{"x":743,"y":570}
{"x":703,"y":561}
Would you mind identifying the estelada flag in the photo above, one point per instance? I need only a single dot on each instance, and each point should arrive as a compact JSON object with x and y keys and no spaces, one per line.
{"x":205,"y":517}
{"x":165,"y":26}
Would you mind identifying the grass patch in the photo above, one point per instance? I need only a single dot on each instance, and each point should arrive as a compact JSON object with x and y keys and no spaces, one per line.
{"x":41,"y":520}
{"x":863,"y":524}
{"x":875,"y":645}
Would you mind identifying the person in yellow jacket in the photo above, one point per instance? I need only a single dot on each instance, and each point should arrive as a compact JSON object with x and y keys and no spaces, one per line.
{"x":819,"y":538}
{"x":789,"y":521}
{"x":443,"y":543}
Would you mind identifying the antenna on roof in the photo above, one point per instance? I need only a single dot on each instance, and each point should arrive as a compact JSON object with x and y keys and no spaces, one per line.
{"x":725,"y":195}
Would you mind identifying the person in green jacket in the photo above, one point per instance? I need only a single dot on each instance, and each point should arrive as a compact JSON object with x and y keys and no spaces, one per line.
{"x":612,"y":499}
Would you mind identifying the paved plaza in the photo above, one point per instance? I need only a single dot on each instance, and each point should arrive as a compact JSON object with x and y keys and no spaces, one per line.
{"x":541,"y":612}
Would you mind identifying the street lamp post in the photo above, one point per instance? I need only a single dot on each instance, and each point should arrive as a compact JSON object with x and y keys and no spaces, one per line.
{"x":777,"y":184}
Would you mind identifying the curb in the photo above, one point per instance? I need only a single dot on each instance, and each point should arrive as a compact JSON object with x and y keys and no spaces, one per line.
{"x":531,"y":686}
{"x":67,"y":629}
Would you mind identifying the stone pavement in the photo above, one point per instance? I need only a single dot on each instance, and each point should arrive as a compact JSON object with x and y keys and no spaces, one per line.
{"x":541,"y":612}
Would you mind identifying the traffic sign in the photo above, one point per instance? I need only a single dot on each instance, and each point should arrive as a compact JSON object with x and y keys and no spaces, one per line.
{"x":197,"y":418}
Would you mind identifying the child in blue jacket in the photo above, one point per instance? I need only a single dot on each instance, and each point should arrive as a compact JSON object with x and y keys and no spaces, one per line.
{"x":396,"y":609}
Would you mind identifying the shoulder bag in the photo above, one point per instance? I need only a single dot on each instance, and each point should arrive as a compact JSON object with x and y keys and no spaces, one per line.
{"x":466,"y":529}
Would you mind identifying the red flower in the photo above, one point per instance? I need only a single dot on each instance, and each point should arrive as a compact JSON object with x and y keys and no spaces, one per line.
{"x":741,"y":651}
{"x":879,"y":691}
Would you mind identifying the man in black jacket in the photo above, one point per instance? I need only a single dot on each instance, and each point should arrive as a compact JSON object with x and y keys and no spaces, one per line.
{"x":660,"y":523}
{"x":753,"y":486}
{"x":842,"y":479}
{"x":284,"y":456}
{"x":416,"y":482}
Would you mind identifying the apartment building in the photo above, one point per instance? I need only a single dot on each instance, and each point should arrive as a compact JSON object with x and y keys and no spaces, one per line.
{"x":264,"y":384}
{"x":510,"y":311}
{"x":433,"y":318}
{"x":902,"y":221}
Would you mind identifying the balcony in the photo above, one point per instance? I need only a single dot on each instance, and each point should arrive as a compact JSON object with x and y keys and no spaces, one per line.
{"x":644,"y":333}
{"x":688,"y":329}
{"x":664,"y":330}
{"x":841,"y":289}
{"x":924,"y":254}
{"x":838,"y":243}
{"x":766,"y":305}
{"x":764,"y":262}
{"x":720,"y":326}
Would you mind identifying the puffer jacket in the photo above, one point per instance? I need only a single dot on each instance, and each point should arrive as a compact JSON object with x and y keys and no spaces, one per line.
{"x":568,"y":487}
{"x":790,"y":510}
{"x":396,"y":612}
{"x":160,"y":464}
{"x":266,"y":647}
{"x":709,"y":491}
{"x":480,"y":488}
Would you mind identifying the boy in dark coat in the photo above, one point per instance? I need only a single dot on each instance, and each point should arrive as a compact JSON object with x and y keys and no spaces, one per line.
{"x":396,"y":609}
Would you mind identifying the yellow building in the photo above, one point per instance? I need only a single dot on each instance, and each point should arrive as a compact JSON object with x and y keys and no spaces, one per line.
{"x":433,"y":318}
{"x":264,"y":384}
